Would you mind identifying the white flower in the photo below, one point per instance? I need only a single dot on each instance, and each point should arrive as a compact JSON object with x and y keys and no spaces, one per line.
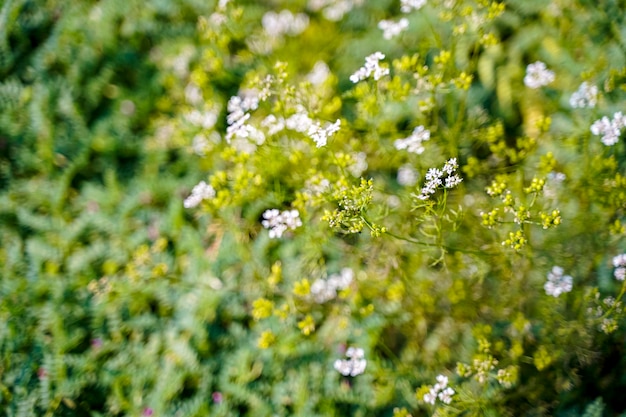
{"x":238,"y":108}
{"x":202,"y":191}
{"x":439,"y":391}
{"x":538,"y":75}
{"x":273,"y":124}
{"x":406,"y":6}
{"x":413,"y":143}
{"x":354,"y":365}
{"x":609,"y":129}
{"x":619,"y":262}
{"x":437,"y":177}
{"x":407,"y":175}
{"x":430,"y":398}
{"x":324,"y":290}
{"x":558,"y":283}
{"x":392,"y":29}
{"x":205,"y":120}
{"x":321,"y":134}
{"x":445,"y":396}
{"x":586,"y":96}
{"x":370,"y":69}
{"x":279,"y":222}
{"x":285,"y":22}
{"x":300,"y":121}
{"x":319,"y":73}
{"x":359,"y":165}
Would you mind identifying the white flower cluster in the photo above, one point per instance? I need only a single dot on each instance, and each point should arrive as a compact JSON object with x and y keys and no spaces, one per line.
{"x":440,"y":391}
{"x":406,"y":6}
{"x":407,"y":175}
{"x":284,"y":23}
{"x":319,"y":73}
{"x":360,"y":164}
{"x":538,"y":75}
{"x":334,"y":10}
{"x":273,"y":124}
{"x":558,"y":283}
{"x":202,"y":191}
{"x":609,"y":129}
{"x":354,"y":365}
{"x":279,"y":222}
{"x":238,"y":113}
{"x":324,"y":290}
{"x":413,"y":143}
{"x":321,"y":134}
{"x":619,"y":262}
{"x":392,"y":29}
{"x":205,"y":120}
{"x":435,"y":178}
{"x":301,"y":122}
{"x":585,"y":96}
{"x":370,"y":69}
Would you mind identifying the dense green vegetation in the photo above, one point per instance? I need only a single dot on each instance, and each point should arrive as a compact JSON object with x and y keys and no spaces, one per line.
{"x":312,"y":208}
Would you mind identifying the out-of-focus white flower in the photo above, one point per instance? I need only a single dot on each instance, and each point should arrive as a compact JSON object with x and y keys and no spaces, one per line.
{"x":392,"y":29}
{"x":321,"y":134}
{"x":202,"y":191}
{"x":371,"y":68}
{"x":585,"y":96}
{"x":354,"y":365}
{"x":324,"y":290}
{"x":279,"y":222}
{"x":538,"y":75}
{"x":319,"y":73}
{"x":609,"y":129}
{"x":360,"y":164}
{"x":413,"y":143}
{"x":406,"y":6}
{"x":558,"y":283}
{"x":619,"y":262}
{"x":407,"y":175}
{"x":284,"y":23}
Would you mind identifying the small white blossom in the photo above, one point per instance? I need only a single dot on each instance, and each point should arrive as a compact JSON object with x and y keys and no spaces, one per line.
{"x":558,"y":283}
{"x":205,"y":120}
{"x":321,"y":134}
{"x":273,"y":124}
{"x":619,"y":262}
{"x":360,"y":164}
{"x":445,"y":396}
{"x":407,"y":175}
{"x":436,"y":178}
{"x":319,"y":73}
{"x":202,"y":191}
{"x":238,"y":108}
{"x":199,"y":145}
{"x":324,"y":290}
{"x":440,"y":391}
{"x":413,"y":143}
{"x":284,"y":23}
{"x":334,"y":10}
{"x":406,"y":6}
{"x":609,"y":129}
{"x":354,"y":365}
{"x":538,"y":75}
{"x":392,"y":29}
{"x":370,"y":69}
{"x":300,"y":121}
{"x":279,"y":222}
{"x":585,"y":96}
